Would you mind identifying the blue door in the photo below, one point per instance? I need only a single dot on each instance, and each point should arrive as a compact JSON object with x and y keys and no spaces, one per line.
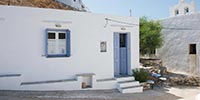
{"x":121,"y":54}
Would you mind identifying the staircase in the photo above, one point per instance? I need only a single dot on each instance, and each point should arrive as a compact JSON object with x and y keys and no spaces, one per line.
{"x":128,"y":85}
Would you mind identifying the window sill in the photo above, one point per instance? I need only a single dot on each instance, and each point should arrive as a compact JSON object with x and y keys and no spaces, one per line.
{"x":192,"y":54}
{"x":56,"y":56}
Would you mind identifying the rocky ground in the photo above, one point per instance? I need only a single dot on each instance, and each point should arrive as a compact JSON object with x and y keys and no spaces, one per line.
{"x":173,"y":78}
{"x":53,"y":4}
{"x":167,"y":93}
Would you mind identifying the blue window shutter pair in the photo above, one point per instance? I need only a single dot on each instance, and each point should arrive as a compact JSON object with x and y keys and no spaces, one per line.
{"x":68,"y":46}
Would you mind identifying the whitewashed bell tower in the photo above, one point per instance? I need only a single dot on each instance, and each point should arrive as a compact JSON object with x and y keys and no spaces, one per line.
{"x":183,"y":8}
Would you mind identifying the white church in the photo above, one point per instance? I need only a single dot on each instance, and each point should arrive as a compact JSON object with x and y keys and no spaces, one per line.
{"x":181,"y":32}
{"x":183,"y":8}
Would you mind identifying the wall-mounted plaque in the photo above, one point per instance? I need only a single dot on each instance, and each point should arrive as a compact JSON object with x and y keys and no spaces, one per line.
{"x":103,"y":46}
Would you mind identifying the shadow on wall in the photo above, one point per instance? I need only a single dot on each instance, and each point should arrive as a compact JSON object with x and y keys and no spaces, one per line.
{"x":177,"y":71}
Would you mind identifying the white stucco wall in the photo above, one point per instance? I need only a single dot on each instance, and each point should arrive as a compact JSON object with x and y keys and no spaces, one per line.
{"x":178,"y":33}
{"x":22,"y":44}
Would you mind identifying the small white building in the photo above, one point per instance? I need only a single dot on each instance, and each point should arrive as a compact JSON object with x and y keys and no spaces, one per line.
{"x":47,"y":49}
{"x":78,"y":4}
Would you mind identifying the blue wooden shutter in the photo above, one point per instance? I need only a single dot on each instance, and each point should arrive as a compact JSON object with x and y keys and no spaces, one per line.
{"x":68,"y":50}
{"x":46,"y":42}
{"x":116,"y":54}
{"x":129,"y":53}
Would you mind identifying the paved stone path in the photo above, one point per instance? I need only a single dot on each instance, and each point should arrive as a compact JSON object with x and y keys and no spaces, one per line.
{"x":170,"y":93}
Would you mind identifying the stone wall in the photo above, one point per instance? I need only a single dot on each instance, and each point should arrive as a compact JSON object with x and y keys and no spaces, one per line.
{"x":184,"y":80}
{"x":178,"y":33}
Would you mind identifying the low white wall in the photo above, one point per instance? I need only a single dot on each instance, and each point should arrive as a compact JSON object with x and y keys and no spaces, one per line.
{"x":10,"y":83}
{"x":112,"y":84}
{"x":22,"y":44}
{"x":74,"y":85}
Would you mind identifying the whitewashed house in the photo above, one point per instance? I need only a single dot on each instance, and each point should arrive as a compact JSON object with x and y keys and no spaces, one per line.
{"x":78,"y":4}
{"x":47,"y":49}
{"x":180,"y":52}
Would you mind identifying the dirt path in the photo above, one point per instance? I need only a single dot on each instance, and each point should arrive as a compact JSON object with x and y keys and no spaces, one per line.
{"x":170,"y":93}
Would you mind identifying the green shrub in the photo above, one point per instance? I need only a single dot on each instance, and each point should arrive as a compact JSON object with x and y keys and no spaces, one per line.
{"x":140,"y":75}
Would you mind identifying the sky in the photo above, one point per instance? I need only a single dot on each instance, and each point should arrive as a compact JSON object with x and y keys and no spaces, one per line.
{"x":153,"y":9}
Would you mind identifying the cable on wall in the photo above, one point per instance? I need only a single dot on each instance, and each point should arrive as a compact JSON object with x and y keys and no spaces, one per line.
{"x":117,"y":21}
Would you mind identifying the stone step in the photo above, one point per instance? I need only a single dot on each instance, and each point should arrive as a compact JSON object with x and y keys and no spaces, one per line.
{"x":128,"y":84}
{"x":132,"y":89}
{"x":121,"y":79}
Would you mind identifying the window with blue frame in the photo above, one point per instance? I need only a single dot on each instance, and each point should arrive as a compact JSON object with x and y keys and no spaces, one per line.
{"x":57,"y":43}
